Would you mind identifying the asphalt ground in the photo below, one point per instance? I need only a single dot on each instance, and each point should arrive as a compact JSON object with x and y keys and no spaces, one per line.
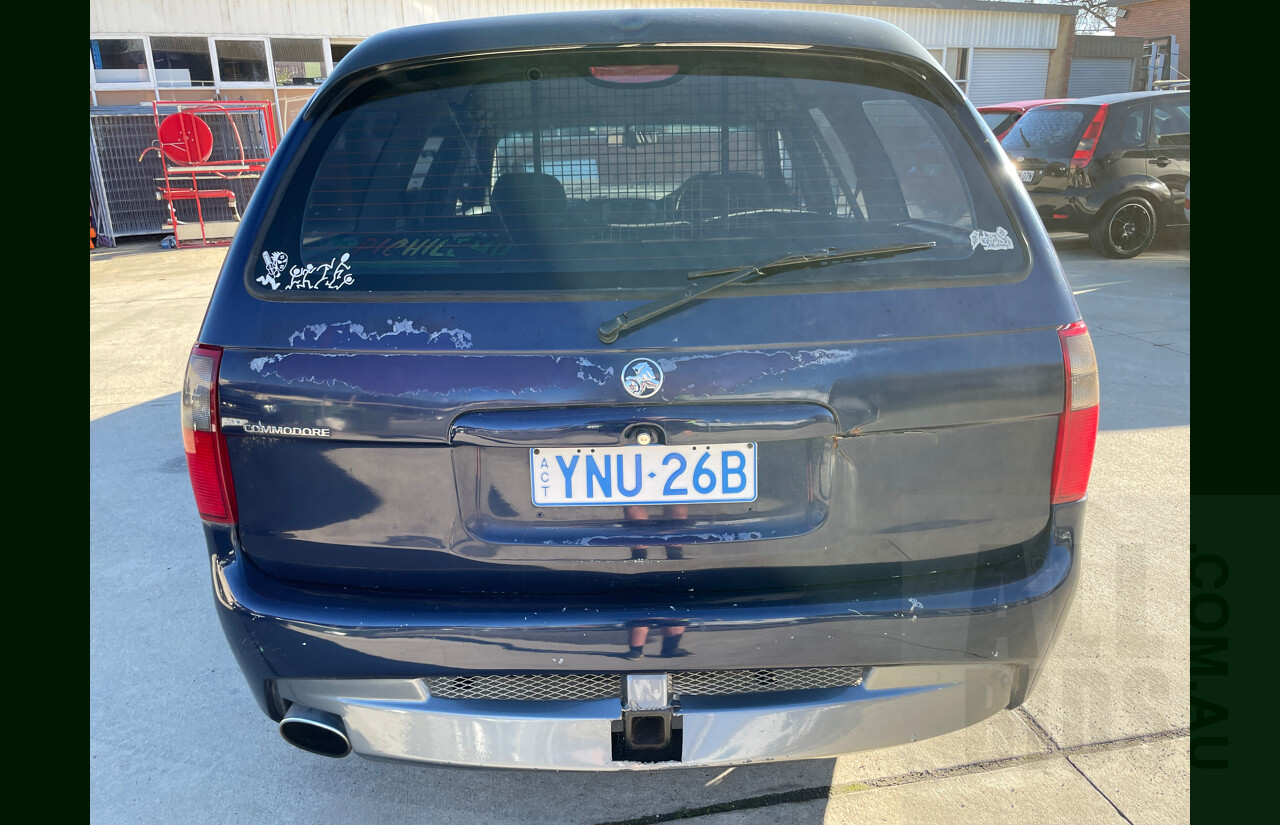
{"x":176,"y":737}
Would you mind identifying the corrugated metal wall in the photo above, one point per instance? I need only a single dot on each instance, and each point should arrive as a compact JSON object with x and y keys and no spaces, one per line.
{"x":361,"y":18}
{"x":1101,"y":76}
{"x":1006,"y":75}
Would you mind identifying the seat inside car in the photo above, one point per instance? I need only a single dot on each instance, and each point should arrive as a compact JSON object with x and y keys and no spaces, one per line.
{"x":528,"y":202}
{"x":708,"y":195}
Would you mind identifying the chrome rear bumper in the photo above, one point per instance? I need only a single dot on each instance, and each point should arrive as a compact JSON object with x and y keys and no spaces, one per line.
{"x":399,"y":719}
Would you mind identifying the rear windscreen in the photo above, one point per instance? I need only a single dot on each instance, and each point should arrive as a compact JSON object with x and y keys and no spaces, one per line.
{"x":1047,"y":132}
{"x":573,"y":173}
{"x":998,"y":121}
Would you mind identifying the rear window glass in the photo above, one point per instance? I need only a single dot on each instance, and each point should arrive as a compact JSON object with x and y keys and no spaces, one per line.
{"x":546,"y":174}
{"x":997,"y":121}
{"x":1051,"y":131}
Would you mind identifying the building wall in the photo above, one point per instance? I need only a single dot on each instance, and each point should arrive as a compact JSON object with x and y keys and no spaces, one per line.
{"x":946,"y":32}
{"x":1095,"y":45}
{"x":1161,"y":18}
{"x":126,"y":97}
{"x":1060,"y":58}
{"x":1096,"y":59}
{"x":362,"y":18}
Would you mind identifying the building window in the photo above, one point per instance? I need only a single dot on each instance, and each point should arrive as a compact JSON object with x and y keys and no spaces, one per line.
{"x":298,"y":62}
{"x":337,"y":51}
{"x":182,"y":61}
{"x":957,"y":66}
{"x":955,"y":62}
{"x":242,"y":61}
{"x":118,"y":61}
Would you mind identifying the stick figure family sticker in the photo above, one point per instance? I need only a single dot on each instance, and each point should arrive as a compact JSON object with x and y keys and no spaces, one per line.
{"x":334,"y":275}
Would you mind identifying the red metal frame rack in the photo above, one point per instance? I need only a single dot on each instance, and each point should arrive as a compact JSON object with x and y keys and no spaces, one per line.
{"x":186,"y":147}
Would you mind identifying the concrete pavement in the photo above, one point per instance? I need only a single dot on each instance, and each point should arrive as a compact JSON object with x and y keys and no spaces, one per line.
{"x":176,"y":737}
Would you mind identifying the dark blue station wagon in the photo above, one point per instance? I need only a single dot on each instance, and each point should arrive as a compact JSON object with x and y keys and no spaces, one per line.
{"x":613,"y":391}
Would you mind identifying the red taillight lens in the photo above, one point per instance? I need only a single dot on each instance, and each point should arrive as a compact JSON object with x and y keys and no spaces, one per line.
{"x":1089,"y":140}
{"x":1078,"y":426}
{"x":202,"y":438}
{"x":634,"y":74}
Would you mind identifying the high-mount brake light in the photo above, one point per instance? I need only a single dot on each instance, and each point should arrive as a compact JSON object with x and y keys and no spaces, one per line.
{"x":202,"y":438}
{"x":1089,"y":140}
{"x":634,"y":74}
{"x":1078,"y":426}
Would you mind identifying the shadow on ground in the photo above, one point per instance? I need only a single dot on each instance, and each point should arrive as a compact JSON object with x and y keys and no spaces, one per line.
{"x":125,"y":247}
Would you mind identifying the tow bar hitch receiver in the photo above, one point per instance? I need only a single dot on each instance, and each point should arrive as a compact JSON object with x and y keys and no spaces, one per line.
{"x":647,"y":729}
{"x":650,"y":729}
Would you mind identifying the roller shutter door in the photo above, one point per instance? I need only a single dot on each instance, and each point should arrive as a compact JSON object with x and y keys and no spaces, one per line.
{"x":1005,"y":75}
{"x":1100,"y":76}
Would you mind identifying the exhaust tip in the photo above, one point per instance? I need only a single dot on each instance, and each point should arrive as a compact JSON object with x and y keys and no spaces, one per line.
{"x":315,"y":731}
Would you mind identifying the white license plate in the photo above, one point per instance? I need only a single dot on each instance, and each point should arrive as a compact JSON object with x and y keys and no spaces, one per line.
{"x":577,"y":476}
{"x":1026,"y":175}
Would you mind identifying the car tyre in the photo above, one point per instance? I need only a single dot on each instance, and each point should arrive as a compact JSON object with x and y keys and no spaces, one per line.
{"x":1125,"y":229}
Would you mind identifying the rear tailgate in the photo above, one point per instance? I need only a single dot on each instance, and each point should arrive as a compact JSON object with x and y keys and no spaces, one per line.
{"x":871,"y":451}
{"x":385,"y":399}
{"x":1043,"y":143}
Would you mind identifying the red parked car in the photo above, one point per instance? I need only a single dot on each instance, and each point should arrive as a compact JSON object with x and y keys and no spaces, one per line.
{"x":1000,"y":117}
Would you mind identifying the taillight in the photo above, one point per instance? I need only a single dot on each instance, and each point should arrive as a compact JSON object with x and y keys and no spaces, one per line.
{"x":203,"y":440}
{"x":1078,"y":426}
{"x":1089,"y":140}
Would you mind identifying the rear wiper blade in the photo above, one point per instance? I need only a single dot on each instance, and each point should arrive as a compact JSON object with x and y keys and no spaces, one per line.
{"x":612,"y":328}
{"x":821,"y":257}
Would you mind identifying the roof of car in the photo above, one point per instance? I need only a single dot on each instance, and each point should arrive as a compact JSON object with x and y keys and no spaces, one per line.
{"x":1125,"y":97}
{"x":650,"y":26}
{"x":1020,"y":105}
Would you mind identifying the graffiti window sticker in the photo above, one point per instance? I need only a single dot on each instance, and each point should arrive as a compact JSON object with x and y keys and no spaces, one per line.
{"x":1000,"y":239}
{"x":332,"y":275}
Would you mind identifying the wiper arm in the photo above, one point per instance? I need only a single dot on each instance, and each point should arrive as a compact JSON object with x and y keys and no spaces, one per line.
{"x":612,"y":328}
{"x":1023,"y":135}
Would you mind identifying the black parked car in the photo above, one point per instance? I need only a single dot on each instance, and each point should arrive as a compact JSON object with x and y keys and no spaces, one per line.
{"x":1115,"y":166}
{"x":602,"y":390}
